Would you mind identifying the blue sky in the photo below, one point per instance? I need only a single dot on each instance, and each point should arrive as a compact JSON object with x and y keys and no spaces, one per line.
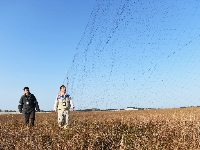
{"x":139,"y":53}
{"x":117,"y":53}
{"x":38,"y":41}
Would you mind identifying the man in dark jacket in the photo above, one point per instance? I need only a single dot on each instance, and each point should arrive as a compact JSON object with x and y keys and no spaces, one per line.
{"x":27,"y":105}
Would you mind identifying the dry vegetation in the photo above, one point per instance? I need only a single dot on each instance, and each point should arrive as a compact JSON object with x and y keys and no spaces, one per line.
{"x":143,"y":129}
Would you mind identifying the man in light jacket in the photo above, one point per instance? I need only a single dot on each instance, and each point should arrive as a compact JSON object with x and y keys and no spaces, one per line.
{"x":62,"y":105}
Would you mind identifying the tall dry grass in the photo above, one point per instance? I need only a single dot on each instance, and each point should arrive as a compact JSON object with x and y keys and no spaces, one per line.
{"x":142,"y":129}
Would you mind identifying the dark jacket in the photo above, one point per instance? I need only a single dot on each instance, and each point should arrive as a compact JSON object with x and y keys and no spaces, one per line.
{"x":28,"y":103}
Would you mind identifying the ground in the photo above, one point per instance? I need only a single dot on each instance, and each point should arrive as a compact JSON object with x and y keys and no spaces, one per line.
{"x":136,"y":129}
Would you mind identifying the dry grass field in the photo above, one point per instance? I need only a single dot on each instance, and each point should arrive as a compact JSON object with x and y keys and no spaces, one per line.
{"x":142,"y":129}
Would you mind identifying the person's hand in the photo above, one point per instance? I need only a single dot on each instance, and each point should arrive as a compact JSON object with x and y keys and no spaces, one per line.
{"x":72,"y":109}
{"x":55,"y":112}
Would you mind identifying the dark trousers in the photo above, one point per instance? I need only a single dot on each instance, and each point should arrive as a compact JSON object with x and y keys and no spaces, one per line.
{"x":27,"y":116}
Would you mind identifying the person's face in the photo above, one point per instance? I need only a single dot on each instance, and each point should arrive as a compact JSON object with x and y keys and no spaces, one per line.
{"x":63,"y":89}
{"x":26,"y":91}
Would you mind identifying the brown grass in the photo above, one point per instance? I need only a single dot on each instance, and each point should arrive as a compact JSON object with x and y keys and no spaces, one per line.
{"x":142,"y":129}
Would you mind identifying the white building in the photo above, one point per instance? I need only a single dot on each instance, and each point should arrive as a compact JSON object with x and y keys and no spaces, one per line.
{"x":130,"y":108}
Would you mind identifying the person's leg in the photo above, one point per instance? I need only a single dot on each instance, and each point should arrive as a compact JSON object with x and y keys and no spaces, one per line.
{"x":60,"y":117}
{"x":66,"y":118}
{"x":27,"y":115}
{"x":63,"y":117}
{"x":32,"y":117}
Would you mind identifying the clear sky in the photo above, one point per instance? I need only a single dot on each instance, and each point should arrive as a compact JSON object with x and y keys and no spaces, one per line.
{"x":139,"y":53}
{"x":117,"y":53}
{"x":38,"y":41}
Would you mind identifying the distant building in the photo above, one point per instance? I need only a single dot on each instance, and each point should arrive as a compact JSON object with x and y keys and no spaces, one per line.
{"x":4,"y":111}
{"x":131,"y":108}
{"x":11,"y":111}
{"x":95,"y":109}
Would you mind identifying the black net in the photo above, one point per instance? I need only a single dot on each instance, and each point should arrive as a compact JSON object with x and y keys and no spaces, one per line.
{"x":138,"y":53}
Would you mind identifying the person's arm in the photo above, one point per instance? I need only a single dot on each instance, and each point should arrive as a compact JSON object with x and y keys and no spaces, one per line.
{"x":36,"y":104}
{"x":72,"y":105}
{"x":55,"y":105}
{"x":20,"y":106}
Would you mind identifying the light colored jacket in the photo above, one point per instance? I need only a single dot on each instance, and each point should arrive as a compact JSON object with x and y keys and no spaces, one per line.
{"x":56,"y":101}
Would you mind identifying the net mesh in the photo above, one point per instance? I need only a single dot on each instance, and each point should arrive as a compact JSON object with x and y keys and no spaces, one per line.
{"x":138,"y":53}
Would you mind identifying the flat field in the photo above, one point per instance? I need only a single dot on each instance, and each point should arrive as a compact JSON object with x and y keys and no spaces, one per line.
{"x":137,"y":129}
